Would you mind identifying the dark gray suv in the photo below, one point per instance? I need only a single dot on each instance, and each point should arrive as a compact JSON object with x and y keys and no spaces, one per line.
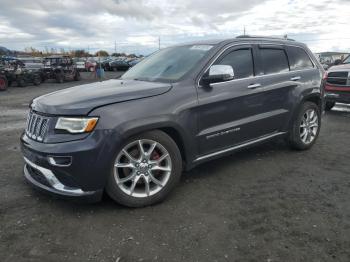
{"x":132,"y":137}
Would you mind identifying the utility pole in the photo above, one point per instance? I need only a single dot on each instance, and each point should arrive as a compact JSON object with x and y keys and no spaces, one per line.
{"x":243,"y":30}
{"x":115,"y":46}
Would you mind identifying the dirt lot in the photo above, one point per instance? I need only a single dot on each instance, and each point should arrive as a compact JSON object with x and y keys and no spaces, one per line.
{"x":263,"y":204}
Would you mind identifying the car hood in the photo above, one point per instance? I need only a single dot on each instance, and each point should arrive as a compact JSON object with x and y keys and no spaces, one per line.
{"x":80,"y":100}
{"x":344,"y":67}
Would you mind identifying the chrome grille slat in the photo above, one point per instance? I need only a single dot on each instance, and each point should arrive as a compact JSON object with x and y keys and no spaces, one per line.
{"x":37,"y":126}
{"x":341,"y":78}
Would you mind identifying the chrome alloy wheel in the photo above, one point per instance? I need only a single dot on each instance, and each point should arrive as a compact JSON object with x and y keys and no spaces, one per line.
{"x":142,"y":168}
{"x":309,"y":126}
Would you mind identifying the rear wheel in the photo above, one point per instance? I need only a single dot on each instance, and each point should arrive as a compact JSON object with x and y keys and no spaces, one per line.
{"x":77,"y":76}
{"x":329,"y":106}
{"x":59,"y":78}
{"x":145,"y":170}
{"x":3,"y":83}
{"x":21,"y":82}
{"x":306,"y":127}
{"x":37,"y":81}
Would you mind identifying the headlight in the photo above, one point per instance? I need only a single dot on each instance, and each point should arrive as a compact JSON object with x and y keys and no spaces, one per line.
{"x":76,"y":125}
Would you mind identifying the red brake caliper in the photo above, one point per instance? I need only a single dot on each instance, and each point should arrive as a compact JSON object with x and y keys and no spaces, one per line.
{"x":155,"y":155}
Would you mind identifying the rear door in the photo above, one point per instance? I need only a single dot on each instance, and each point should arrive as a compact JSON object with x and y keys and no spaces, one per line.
{"x":278,"y":85}
{"x":303,"y":69}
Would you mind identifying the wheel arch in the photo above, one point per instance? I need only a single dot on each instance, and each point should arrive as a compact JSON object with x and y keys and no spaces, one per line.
{"x":315,"y":98}
{"x":171,"y":129}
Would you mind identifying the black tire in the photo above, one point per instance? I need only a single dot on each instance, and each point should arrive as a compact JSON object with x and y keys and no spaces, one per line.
{"x":21,"y":82}
{"x":295,"y":140}
{"x":36,"y":81}
{"x":59,"y":78}
{"x":329,"y":106}
{"x":3,"y":83}
{"x":168,"y":143}
{"x":77,"y":76}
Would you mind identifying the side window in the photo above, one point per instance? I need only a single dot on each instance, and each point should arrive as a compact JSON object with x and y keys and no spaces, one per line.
{"x":274,"y":60}
{"x":299,"y":59}
{"x":241,"y":61}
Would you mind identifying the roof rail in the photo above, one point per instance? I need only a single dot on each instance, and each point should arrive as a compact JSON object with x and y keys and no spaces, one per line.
{"x":266,"y":37}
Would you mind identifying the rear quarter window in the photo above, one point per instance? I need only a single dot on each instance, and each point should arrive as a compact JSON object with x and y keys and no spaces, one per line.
{"x":274,"y":60}
{"x":299,"y":59}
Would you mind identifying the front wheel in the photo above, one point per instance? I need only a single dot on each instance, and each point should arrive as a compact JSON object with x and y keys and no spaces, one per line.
{"x":145,"y":170}
{"x":77,"y":76}
{"x":306,"y":127}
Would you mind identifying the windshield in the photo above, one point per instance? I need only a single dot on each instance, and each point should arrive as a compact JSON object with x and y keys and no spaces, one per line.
{"x":168,"y":64}
{"x":347,"y":60}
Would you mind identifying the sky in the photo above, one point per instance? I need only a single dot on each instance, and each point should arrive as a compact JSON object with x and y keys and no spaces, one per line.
{"x":135,"y":26}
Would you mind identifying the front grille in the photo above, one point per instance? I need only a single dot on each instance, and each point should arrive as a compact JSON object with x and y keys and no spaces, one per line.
{"x":338,"y":78}
{"x":37,"y":126}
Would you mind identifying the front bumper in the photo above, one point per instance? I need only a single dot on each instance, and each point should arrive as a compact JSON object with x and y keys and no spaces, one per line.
{"x":340,"y":94}
{"x":45,"y":179}
{"x":84,"y":177}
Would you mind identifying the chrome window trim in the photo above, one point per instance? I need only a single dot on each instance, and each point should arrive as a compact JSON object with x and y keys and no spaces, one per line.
{"x":250,"y":43}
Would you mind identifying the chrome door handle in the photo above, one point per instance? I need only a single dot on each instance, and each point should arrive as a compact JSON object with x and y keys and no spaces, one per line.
{"x":252,"y":86}
{"x":295,"y":78}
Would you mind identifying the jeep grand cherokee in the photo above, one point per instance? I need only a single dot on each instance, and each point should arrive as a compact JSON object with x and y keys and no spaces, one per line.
{"x":132,"y":137}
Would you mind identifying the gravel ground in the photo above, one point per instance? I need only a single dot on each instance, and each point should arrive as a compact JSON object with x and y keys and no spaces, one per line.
{"x":266,"y":203}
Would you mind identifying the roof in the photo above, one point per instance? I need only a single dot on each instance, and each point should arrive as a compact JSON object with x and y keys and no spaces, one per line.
{"x":243,"y":38}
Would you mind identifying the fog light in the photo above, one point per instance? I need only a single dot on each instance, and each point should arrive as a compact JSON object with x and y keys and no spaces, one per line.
{"x":60,"y":160}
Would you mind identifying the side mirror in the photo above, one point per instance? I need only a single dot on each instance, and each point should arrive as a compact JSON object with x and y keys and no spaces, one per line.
{"x":218,"y":73}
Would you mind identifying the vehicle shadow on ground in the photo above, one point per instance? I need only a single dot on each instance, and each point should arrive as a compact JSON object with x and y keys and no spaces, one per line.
{"x":203,"y":171}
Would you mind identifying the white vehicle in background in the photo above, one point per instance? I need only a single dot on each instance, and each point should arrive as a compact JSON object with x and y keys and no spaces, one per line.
{"x":80,"y":64}
{"x":32,"y":63}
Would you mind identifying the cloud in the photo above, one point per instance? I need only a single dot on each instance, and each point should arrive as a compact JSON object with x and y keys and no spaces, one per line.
{"x":135,"y":25}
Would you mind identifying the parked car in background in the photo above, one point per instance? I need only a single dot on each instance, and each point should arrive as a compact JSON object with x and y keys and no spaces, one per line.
{"x":134,"y":61}
{"x":184,"y":105}
{"x":121,"y":64}
{"x":60,"y":68}
{"x":16,"y":72}
{"x":80,"y":64}
{"x":90,"y":65}
{"x":32,"y":63}
{"x":105,"y":64}
{"x":337,"y":87}
{"x":3,"y":79}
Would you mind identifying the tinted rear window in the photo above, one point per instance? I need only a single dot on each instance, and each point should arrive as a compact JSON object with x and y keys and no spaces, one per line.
{"x":274,"y":60}
{"x":299,"y":59}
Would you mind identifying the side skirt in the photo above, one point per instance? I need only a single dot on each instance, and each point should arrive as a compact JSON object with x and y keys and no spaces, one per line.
{"x":234,"y":148}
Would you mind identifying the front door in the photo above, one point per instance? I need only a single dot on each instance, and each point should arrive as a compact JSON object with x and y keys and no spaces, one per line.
{"x":232,"y":112}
